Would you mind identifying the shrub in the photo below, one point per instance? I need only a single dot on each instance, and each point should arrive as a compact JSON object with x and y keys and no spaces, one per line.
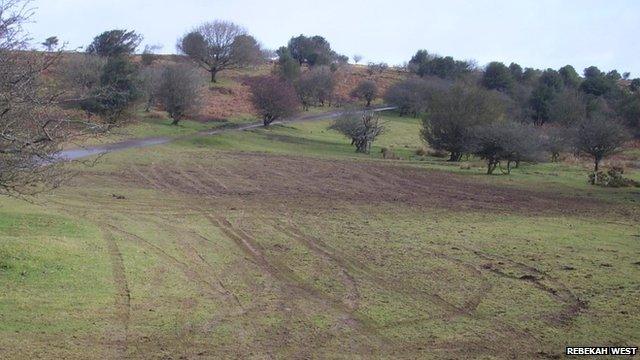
{"x":511,"y":142}
{"x":366,"y":90}
{"x":411,"y":96}
{"x":361,"y":128}
{"x":598,"y":136}
{"x":379,"y":68}
{"x":612,"y":178}
{"x":179,"y":91}
{"x":274,"y":98}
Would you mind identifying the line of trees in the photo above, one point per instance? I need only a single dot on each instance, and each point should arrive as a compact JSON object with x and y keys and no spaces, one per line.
{"x":507,"y":114}
{"x":503,"y":114}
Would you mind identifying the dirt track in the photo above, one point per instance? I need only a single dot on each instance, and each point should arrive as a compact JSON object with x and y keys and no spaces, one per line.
{"x":76,"y":154}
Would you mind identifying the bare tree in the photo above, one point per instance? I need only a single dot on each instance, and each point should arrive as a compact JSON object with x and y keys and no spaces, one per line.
{"x":79,"y":75}
{"x":149,"y":54}
{"x":556,"y":141}
{"x":274,"y":98}
{"x":30,"y":130}
{"x":179,"y":91}
{"x":315,"y":86}
{"x":357,"y":58}
{"x":361,"y":127}
{"x":508,"y":141}
{"x":220,"y":45}
{"x":599,"y":137}
{"x":366,"y":90}
{"x":412,"y":95}
{"x":150,"y":81}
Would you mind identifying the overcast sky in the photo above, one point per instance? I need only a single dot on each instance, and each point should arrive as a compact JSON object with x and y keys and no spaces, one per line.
{"x":536,"y":33}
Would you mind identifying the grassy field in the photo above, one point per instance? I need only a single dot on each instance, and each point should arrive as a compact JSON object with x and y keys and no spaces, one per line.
{"x":283,"y":243}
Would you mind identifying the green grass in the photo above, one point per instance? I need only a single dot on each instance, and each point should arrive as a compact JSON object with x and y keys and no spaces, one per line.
{"x":54,"y":273}
{"x":197,"y":290}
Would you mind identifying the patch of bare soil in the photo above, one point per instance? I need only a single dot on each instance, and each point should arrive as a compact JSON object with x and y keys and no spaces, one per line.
{"x":261,"y":177}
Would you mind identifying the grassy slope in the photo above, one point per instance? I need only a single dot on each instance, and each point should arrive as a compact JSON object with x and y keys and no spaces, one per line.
{"x":194,"y":293}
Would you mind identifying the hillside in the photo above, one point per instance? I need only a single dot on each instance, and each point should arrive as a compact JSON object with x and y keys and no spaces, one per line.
{"x":229,"y":98}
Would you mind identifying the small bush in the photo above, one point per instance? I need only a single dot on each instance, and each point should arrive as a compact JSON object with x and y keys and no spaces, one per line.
{"x":438,"y":154}
{"x":612,"y":178}
{"x":389,"y":154}
{"x":421,"y":152}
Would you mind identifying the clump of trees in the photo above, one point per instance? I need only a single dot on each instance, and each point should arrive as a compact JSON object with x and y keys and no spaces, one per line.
{"x":221,"y":45}
{"x":555,"y":111}
{"x":315,"y":86}
{"x":179,"y":91}
{"x":287,"y":67}
{"x":497,"y":76}
{"x":314,"y":51}
{"x":509,"y":142}
{"x":274,"y":98}
{"x":362,"y":128}
{"x":451,"y":114}
{"x":367,"y":91}
{"x":412,"y":96}
{"x":425,"y":64}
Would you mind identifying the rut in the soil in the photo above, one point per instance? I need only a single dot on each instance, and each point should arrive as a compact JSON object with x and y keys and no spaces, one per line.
{"x":237,"y":175}
{"x":196,"y":261}
{"x":122,"y":296}
{"x":207,"y":287}
{"x":353,"y":296}
{"x":290,"y":282}
{"x":499,"y":265}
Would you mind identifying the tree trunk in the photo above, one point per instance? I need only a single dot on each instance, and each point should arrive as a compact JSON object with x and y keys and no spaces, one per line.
{"x":213,"y":72}
{"x":455,"y":157}
{"x":175,"y":121}
{"x":597,"y":165}
{"x":491,"y":166}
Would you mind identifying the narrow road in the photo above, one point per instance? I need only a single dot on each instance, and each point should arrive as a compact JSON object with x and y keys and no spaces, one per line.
{"x":76,"y":154}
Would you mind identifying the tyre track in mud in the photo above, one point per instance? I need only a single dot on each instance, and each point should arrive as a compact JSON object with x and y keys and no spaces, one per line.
{"x":194,"y":276}
{"x":292,"y":284}
{"x":122,"y":295}
{"x":355,"y":266}
{"x":467,"y":309}
{"x":353,"y":295}
{"x":538,"y":279}
{"x":195,"y":257}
